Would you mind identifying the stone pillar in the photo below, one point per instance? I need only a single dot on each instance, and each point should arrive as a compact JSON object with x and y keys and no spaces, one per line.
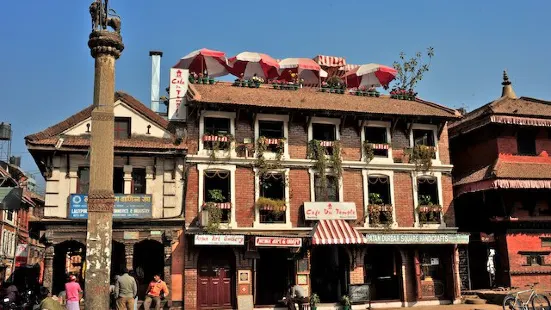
{"x":105,"y":47}
{"x":129,"y":255}
{"x":48,"y":276}
{"x":167,"y":271}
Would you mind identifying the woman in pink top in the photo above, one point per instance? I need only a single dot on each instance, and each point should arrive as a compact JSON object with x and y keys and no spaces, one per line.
{"x":73,"y":290}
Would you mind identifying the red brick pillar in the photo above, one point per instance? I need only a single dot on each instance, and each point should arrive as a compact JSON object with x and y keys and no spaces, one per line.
{"x":357,"y":266}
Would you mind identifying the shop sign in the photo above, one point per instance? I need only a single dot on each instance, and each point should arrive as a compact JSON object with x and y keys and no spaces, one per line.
{"x":132,"y":206}
{"x":436,"y":238}
{"x":278,"y":242}
{"x":219,"y":240}
{"x":179,"y":79}
{"x":330,"y":211}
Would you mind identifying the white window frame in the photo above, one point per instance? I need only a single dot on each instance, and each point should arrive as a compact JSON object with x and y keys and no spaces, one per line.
{"x":278,"y":118}
{"x":287,"y":224}
{"x":438,"y":176}
{"x":14,"y":216}
{"x":377,"y":159}
{"x":365,"y":176}
{"x":434,"y":129}
{"x":324,"y":120}
{"x":201,"y":188}
{"x":313,"y":173}
{"x":221,"y":153}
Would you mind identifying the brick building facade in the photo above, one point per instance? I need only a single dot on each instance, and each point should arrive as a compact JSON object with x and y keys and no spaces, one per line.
{"x":254,"y":190}
{"x":502,"y":187}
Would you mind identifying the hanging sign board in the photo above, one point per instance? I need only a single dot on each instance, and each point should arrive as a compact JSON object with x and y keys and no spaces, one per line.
{"x":179,"y":81}
{"x":278,"y":242}
{"x":219,"y":240}
{"x":330,"y":211}
{"x":132,"y":206}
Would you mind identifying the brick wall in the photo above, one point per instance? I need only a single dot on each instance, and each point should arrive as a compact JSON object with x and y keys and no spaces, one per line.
{"x":192,"y":195}
{"x":521,"y":274}
{"x":443,"y":146}
{"x":244,"y":197}
{"x":299,"y":192}
{"x":543,"y":142}
{"x":399,"y":138}
{"x":177,"y":281}
{"x":353,"y":190}
{"x":403,"y":199}
{"x":298,"y":139}
{"x":447,"y":195}
{"x":351,"y":142}
{"x":473,"y":151}
{"x":190,"y":297}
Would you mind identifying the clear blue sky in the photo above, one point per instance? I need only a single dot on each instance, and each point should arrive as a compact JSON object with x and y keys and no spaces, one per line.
{"x":47,"y":72}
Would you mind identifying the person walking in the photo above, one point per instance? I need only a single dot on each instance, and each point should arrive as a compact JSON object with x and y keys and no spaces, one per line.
{"x":73,"y":291}
{"x":125,"y":291}
{"x":48,"y":303}
{"x":156,"y":291}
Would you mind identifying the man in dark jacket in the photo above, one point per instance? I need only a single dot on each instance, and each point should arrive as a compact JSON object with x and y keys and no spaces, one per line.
{"x":125,"y":291}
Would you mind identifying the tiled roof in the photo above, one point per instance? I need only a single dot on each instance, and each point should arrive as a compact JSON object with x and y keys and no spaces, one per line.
{"x":510,"y":167}
{"x":86,"y":113}
{"x":521,"y":107}
{"x":312,"y":99}
{"x":49,"y":136}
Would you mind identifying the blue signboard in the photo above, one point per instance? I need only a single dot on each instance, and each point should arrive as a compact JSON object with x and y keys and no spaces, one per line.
{"x":126,"y":206}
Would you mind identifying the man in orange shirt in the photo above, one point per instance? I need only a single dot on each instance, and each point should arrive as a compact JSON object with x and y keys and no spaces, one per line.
{"x":156,"y":291}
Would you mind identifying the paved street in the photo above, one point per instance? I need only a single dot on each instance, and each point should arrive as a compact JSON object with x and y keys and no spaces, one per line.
{"x":457,"y":307}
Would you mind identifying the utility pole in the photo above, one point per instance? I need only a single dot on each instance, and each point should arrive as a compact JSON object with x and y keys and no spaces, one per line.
{"x":105,"y":47}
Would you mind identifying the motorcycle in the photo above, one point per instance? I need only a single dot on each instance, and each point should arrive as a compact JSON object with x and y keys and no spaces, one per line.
{"x":29,"y":300}
{"x":7,"y":304}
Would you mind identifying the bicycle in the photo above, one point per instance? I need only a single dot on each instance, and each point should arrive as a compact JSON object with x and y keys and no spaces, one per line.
{"x":515,"y":302}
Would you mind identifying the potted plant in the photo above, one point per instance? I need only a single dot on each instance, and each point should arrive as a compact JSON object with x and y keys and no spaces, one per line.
{"x":314,"y":301}
{"x":237,"y":82}
{"x":256,"y":81}
{"x":191,"y":77}
{"x":211,"y":80}
{"x":345,"y":301}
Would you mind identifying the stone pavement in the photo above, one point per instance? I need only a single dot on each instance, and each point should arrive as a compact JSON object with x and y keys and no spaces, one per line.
{"x":453,"y":307}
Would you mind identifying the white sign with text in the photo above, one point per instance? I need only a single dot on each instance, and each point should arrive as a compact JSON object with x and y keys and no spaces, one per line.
{"x":179,"y":81}
{"x":219,"y":240}
{"x":330,"y":211}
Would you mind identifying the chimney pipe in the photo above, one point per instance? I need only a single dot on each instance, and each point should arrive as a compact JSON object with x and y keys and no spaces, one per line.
{"x":155,"y":79}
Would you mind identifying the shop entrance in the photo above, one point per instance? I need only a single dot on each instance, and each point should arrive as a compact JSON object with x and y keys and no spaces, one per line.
{"x":274,"y":272}
{"x":118,"y":258}
{"x":330,"y":272}
{"x":435,"y":271}
{"x":69,"y":258}
{"x":148,"y":260}
{"x":216,"y":279}
{"x":383,"y":271}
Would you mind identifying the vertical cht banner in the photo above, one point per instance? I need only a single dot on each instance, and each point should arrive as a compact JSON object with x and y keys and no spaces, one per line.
{"x":179,"y":79}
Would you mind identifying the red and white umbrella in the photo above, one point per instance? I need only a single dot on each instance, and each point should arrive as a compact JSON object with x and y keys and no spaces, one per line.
{"x":247,"y":64}
{"x":199,"y":61}
{"x":307,"y":69}
{"x":370,"y":75}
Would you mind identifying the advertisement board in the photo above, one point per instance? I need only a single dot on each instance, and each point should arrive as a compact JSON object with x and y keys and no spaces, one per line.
{"x":132,"y":206}
{"x":179,"y":81}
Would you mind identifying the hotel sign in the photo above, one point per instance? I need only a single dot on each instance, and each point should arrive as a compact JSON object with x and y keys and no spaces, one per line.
{"x":219,"y":240}
{"x":330,"y":211}
{"x":278,"y":242}
{"x":436,"y":238}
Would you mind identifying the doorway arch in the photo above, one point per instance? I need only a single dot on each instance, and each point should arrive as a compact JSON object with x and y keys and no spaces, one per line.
{"x":118,"y":258}
{"x":216,"y":279}
{"x":148,"y":260}
{"x":330,"y":272}
{"x":69,"y":258}
{"x":383,"y":271}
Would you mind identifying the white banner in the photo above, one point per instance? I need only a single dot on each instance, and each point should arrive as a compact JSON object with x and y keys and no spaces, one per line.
{"x":219,"y":240}
{"x":179,"y":81}
{"x":330,"y":211}
{"x":278,"y":242}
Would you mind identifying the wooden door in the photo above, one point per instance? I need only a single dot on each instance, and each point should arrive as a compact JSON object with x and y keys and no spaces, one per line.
{"x":214,"y":285}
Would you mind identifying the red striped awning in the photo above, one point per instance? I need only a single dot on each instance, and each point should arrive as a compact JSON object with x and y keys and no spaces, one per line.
{"x":330,"y":61}
{"x":336,"y":232}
